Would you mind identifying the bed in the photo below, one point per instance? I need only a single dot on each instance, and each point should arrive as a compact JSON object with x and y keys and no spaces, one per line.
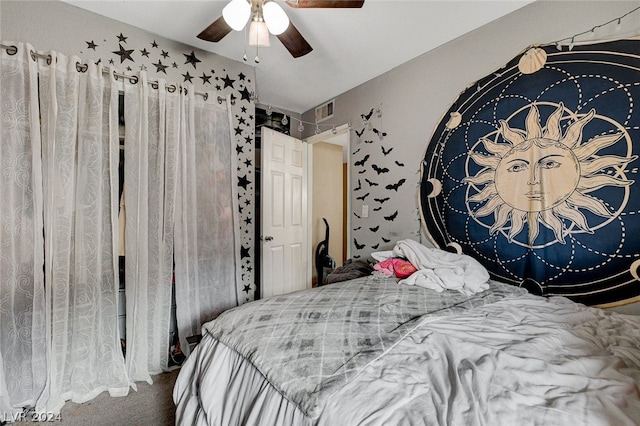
{"x":379,"y":350}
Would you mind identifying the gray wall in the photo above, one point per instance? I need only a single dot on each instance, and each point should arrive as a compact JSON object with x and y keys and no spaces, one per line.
{"x":53,"y":25}
{"x":413,"y":97}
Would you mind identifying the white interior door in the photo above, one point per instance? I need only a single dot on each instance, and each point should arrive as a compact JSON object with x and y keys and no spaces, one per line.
{"x":285,"y":251}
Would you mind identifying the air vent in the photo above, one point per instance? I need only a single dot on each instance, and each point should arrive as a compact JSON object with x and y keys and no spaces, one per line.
{"x":325,"y":111}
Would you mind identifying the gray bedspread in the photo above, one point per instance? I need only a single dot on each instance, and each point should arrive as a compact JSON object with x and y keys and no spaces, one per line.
{"x":308,"y":344}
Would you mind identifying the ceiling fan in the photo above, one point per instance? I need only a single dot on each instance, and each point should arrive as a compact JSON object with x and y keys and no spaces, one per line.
{"x":267,"y":17}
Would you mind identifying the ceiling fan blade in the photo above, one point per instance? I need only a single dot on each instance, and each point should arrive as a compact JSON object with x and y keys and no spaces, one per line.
{"x":325,"y":3}
{"x":294,"y":42}
{"x":216,"y":31}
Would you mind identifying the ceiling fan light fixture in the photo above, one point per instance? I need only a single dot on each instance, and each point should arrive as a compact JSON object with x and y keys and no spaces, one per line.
{"x":259,"y":34}
{"x":275,"y":17}
{"x":237,"y":13}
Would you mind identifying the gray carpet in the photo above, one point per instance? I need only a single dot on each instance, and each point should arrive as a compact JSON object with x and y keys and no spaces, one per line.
{"x":150,"y":405}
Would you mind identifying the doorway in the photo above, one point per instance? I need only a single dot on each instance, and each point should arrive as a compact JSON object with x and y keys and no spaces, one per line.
{"x":339,"y":232}
{"x":329,"y":193}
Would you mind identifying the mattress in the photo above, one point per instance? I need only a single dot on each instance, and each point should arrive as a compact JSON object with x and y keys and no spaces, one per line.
{"x":416,"y":357}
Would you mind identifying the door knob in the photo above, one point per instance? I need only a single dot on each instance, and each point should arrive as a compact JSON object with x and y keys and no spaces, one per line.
{"x":267,"y":238}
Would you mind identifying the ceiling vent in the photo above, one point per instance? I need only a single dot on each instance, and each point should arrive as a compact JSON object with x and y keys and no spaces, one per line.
{"x":325,"y":111}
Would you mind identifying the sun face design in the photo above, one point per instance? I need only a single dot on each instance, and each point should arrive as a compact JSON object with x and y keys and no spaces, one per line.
{"x":541,"y":176}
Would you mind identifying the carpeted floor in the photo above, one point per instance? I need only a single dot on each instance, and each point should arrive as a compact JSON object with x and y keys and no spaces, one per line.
{"x":150,"y":405}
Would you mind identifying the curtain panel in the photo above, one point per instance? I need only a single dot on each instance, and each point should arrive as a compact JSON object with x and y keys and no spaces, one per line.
{"x":59,"y":239}
{"x":80,"y":187}
{"x":152,"y":135}
{"x":22,"y":302}
{"x":207,"y":248}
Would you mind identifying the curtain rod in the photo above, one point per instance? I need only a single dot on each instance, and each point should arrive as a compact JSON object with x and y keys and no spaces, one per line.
{"x":12,"y":50}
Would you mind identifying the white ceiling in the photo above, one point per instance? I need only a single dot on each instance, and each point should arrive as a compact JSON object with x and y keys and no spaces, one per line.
{"x":351,"y":46}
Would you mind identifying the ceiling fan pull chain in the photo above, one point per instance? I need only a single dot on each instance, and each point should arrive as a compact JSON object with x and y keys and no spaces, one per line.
{"x":244,"y":56}
{"x":257,"y":58}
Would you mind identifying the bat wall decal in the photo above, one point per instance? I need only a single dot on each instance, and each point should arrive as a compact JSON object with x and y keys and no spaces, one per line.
{"x":358,"y":246}
{"x":380,"y":133}
{"x":366,"y":117}
{"x":362,"y":198}
{"x":362,"y":162}
{"x":391,"y":217}
{"x":370,"y":183}
{"x":387,"y":151}
{"x":379,"y":169}
{"x":381,"y":200}
{"x":397,"y":185}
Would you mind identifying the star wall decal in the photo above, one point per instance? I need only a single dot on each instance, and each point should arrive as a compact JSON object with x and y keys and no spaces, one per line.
{"x":241,"y":76}
{"x":228,"y":82}
{"x":245,"y":94}
{"x":243,"y":182}
{"x":191,"y":59}
{"x":164,"y":54}
{"x":122,"y":39}
{"x":154,"y":44}
{"x":144,"y":52}
{"x":205,"y":78}
{"x":187,"y":77}
{"x":124,"y":54}
{"x":91,"y":45}
{"x":160,"y":67}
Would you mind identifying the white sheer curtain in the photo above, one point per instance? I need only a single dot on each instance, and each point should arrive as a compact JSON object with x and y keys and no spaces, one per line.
{"x":80,"y":161}
{"x":59,"y":157}
{"x":152,"y":123}
{"x":206,"y":240}
{"x":22,"y":305}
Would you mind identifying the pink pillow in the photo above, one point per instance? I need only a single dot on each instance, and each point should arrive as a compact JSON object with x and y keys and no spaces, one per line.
{"x":403,"y":268}
{"x":397,"y":266}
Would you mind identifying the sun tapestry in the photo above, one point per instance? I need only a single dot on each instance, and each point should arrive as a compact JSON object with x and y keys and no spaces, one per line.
{"x":533,"y":171}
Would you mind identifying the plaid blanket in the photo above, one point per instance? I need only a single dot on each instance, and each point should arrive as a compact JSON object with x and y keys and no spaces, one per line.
{"x":310,"y":343}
